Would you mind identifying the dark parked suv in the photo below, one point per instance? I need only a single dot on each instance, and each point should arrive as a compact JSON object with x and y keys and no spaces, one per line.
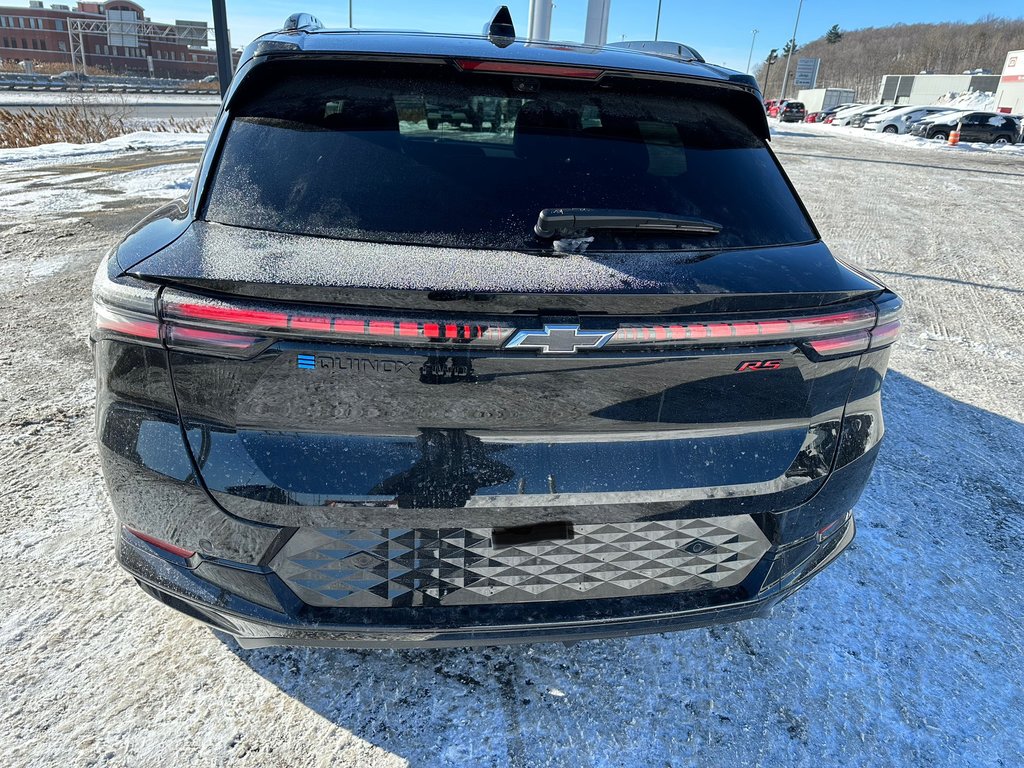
{"x":792,"y":112}
{"x":385,"y":380}
{"x":987,"y":127}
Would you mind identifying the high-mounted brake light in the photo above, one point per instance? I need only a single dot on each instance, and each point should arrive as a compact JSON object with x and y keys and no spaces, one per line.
{"x":521,"y":68}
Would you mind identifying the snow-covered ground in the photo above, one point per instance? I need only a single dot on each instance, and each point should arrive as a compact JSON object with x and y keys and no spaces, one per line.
{"x":58,"y":179}
{"x":903,"y":141}
{"x":13,"y":162}
{"x":909,"y":651}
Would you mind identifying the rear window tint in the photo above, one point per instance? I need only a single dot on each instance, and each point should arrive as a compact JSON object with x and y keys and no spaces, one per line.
{"x":429,"y":155}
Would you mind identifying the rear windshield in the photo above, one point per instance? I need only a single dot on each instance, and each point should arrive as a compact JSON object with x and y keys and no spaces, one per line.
{"x":794,"y":105}
{"x":430,"y":155}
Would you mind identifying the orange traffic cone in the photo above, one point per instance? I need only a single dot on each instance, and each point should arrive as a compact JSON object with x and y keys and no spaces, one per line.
{"x":954,"y":136}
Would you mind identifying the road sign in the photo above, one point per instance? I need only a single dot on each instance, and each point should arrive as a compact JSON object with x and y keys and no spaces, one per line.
{"x":806,"y":75}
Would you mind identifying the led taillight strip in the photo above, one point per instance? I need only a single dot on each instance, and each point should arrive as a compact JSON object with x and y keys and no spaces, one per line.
{"x":750,"y":330}
{"x":125,"y":323}
{"x":258,"y":321}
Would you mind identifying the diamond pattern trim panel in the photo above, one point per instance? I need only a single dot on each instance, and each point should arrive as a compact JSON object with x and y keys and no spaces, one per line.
{"x":459,"y":566}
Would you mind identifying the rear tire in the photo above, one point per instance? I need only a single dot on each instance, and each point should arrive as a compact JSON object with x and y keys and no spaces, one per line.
{"x":890,"y":129}
{"x":1001,"y":140}
{"x":940,"y":136}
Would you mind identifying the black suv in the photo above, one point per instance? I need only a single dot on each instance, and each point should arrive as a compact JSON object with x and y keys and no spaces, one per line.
{"x":385,"y":379}
{"x":792,"y":112}
{"x":987,"y":127}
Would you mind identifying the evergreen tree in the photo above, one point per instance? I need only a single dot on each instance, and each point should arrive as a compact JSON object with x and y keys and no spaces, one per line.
{"x":833,"y":35}
{"x":791,"y":47}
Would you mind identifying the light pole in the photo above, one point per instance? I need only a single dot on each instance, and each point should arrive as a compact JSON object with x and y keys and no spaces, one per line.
{"x":350,"y":14}
{"x":792,"y":45}
{"x":657,"y":21}
{"x":223,"y":43}
{"x":751,"y":56}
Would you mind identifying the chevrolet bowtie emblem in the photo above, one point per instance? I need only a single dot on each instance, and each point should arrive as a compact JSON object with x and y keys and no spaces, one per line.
{"x":559,"y":339}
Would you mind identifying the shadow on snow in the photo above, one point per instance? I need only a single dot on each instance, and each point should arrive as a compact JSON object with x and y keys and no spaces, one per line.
{"x":905,"y":652}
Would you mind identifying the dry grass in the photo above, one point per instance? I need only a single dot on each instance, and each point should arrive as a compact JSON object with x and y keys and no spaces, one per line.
{"x":38,"y":67}
{"x":81,"y":125}
{"x":48,"y":126}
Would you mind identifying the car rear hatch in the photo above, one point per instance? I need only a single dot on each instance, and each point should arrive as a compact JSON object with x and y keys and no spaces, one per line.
{"x":365,"y":330}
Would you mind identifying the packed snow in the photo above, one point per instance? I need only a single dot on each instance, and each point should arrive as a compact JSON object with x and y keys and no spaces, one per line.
{"x":15,"y":161}
{"x":907,"y":652}
{"x":901,"y":141}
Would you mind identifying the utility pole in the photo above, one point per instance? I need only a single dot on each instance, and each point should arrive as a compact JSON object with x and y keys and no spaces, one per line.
{"x":225,"y":68}
{"x":596,"y":30}
{"x":792,"y":45}
{"x":657,"y":21}
{"x":540,"y":20}
{"x":350,"y":14}
{"x":772,"y":58}
{"x":751,"y":56}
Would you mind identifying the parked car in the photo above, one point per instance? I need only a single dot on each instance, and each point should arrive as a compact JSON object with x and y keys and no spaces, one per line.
{"x":825,"y":116}
{"x":70,"y":77}
{"x":900,"y":120}
{"x":843,"y":116}
{"x":858,"y":120}
{"x":771,"y":107}
{"x":987,"y":127}
{"x":792,"y":112}
{"x":210,"y":79}
{"x":372,"y":384}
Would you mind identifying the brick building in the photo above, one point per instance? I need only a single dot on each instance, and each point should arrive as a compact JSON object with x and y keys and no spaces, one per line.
{"x":117,"y":43}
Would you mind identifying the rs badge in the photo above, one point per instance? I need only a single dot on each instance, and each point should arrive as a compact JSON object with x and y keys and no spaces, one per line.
{"x":759,"y":365}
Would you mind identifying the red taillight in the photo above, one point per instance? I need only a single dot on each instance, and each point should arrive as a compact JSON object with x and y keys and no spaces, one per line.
{"x":229,"y":326}
{"x":160,"y":544}
{"x":124,"y":323}
{"x":746,"y":331}
{"x":521,"y":68}
{"x":841,"y":345}
{"x":252,"y":317}
{"x":884,"y":335}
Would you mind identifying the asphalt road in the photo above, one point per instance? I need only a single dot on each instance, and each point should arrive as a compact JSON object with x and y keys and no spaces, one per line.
{"x":906,"y":652}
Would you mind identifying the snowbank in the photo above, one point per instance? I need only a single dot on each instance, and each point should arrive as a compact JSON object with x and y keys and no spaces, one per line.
{"x":979,"y":101}
{"x":140,"y":141}
{"x":905,"y":140}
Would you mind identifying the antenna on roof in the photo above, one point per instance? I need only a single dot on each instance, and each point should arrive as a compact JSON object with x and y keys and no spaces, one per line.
{"x":500,"y":30}
{"x":302,"y":22}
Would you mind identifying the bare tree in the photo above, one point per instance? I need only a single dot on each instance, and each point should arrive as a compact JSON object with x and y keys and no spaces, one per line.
{"x":866,"y":55}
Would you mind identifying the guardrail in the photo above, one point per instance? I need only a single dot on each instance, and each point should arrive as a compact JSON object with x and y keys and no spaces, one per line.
{"x":112,"y":89}
{"x":43,"y":83}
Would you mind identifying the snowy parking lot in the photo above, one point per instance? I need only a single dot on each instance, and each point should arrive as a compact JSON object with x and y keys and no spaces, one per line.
{"x":908,"y":651}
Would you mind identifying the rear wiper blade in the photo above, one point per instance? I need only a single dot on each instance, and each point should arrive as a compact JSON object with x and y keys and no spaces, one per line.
{"x":568,"y":221}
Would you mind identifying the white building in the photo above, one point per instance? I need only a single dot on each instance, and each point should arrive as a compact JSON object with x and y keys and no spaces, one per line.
{"x":1010,"y":96}
{"x":928,"y":89}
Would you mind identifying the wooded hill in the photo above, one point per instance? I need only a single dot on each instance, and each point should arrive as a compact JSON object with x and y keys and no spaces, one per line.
{"x":859,"y":59}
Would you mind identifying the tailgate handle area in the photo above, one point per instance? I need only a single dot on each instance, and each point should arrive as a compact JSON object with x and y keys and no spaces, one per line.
{"x":531,"y":534}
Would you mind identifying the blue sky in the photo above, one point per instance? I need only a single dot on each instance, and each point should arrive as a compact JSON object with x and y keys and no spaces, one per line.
{"x":721,"y":30}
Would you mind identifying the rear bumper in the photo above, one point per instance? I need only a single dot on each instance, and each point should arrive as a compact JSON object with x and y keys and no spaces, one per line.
{"x":292,"y":623}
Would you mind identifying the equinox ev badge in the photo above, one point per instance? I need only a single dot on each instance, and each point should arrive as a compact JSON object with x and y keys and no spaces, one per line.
{"x":560,"y":339}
